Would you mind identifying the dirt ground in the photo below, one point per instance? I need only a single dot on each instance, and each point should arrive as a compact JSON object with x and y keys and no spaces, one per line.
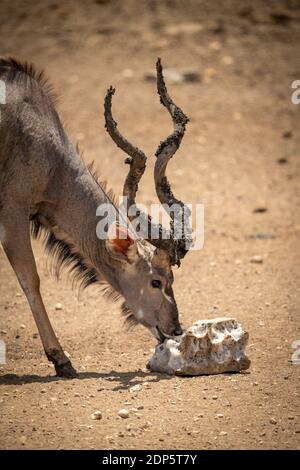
{"x":240,"y":153}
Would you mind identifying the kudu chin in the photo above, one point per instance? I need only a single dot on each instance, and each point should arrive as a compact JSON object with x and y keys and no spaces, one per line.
{"x":46,"y":189}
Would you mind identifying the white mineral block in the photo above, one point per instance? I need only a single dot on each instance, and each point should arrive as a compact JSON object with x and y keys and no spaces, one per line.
{"x":207,"y":347}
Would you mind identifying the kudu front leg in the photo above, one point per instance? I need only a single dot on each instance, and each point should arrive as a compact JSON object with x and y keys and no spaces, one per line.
{"x":17,"y":247}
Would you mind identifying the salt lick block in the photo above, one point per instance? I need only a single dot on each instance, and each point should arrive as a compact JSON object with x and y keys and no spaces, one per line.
{"x":207,"y":347}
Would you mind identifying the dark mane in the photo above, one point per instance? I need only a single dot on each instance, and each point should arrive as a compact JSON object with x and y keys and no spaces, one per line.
{"x":65,"y":256}
{"x":15,"y":70}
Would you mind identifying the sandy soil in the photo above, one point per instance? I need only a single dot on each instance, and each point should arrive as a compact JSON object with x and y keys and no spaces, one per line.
{"x":242,"y":124}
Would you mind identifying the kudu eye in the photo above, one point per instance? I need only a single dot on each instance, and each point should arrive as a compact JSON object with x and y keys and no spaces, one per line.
{"x":156,"y":283}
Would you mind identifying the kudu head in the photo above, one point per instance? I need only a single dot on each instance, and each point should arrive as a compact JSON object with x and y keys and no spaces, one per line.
{"x":145,"y":275}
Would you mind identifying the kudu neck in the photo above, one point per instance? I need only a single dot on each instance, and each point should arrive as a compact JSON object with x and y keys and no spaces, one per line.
{"x":76,"y":216}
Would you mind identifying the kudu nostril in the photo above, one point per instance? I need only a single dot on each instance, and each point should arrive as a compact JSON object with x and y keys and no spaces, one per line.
{"x":178,"y":331}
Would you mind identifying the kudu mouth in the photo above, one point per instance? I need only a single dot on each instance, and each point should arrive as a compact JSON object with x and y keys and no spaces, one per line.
{"x":160,"y":335}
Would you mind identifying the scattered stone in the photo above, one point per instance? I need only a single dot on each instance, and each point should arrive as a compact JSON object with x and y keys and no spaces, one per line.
{"x":287,"y":134}
{"x":43,"y":390}
{"x":223,"y":433}
{"x":183,"y":28}
{"x":280,"y":18}
{"x":3,"y":332}
{"x":219,"y":415}
{"x":97,"y":415}
{"x":123,"y":413}
{"x":214,"y":397}
{"x":135,"y":388}
{"x":260,"y":210}
{"x":237,"y":116}
{"x":282,"y":161}
{"x":148,"y":424}
{"x":256,"y":259}
{"x":215,"y":45}
{"x":261,"y":236}
{"x":58,"y":306}
{"x":273,"y":421}
{"x":127,"y":73}
{"x":227,"y":60}
{"x":226,"y":403}
{"x":209,"y":73}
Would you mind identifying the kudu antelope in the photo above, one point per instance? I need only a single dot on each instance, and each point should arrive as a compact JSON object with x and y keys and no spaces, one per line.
{"x":46,"y":187}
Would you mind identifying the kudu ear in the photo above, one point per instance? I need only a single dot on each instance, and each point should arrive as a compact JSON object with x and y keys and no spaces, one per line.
{"x":120,"y":244}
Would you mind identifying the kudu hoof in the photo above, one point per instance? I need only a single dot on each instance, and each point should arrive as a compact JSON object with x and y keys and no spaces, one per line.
{"x":66,"y":370}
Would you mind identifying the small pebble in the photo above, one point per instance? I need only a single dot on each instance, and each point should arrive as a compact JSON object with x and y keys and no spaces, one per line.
{"x":227,"y":60}
{"x":96,"y":415}
{"x":135,"y":388}
{"x":256,"y":259}
{"x":287,"y":134}
{"x":273,"y":421}
{"x":123,"y":413}
{"x":58,"y":306}
{"x":260,"y":210}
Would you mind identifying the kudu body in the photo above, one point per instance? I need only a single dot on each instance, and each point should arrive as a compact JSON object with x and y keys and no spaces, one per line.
{"x":45,"y":186}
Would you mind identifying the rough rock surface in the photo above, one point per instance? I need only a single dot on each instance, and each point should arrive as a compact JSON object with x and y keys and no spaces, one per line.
{"x":207,"y":347}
